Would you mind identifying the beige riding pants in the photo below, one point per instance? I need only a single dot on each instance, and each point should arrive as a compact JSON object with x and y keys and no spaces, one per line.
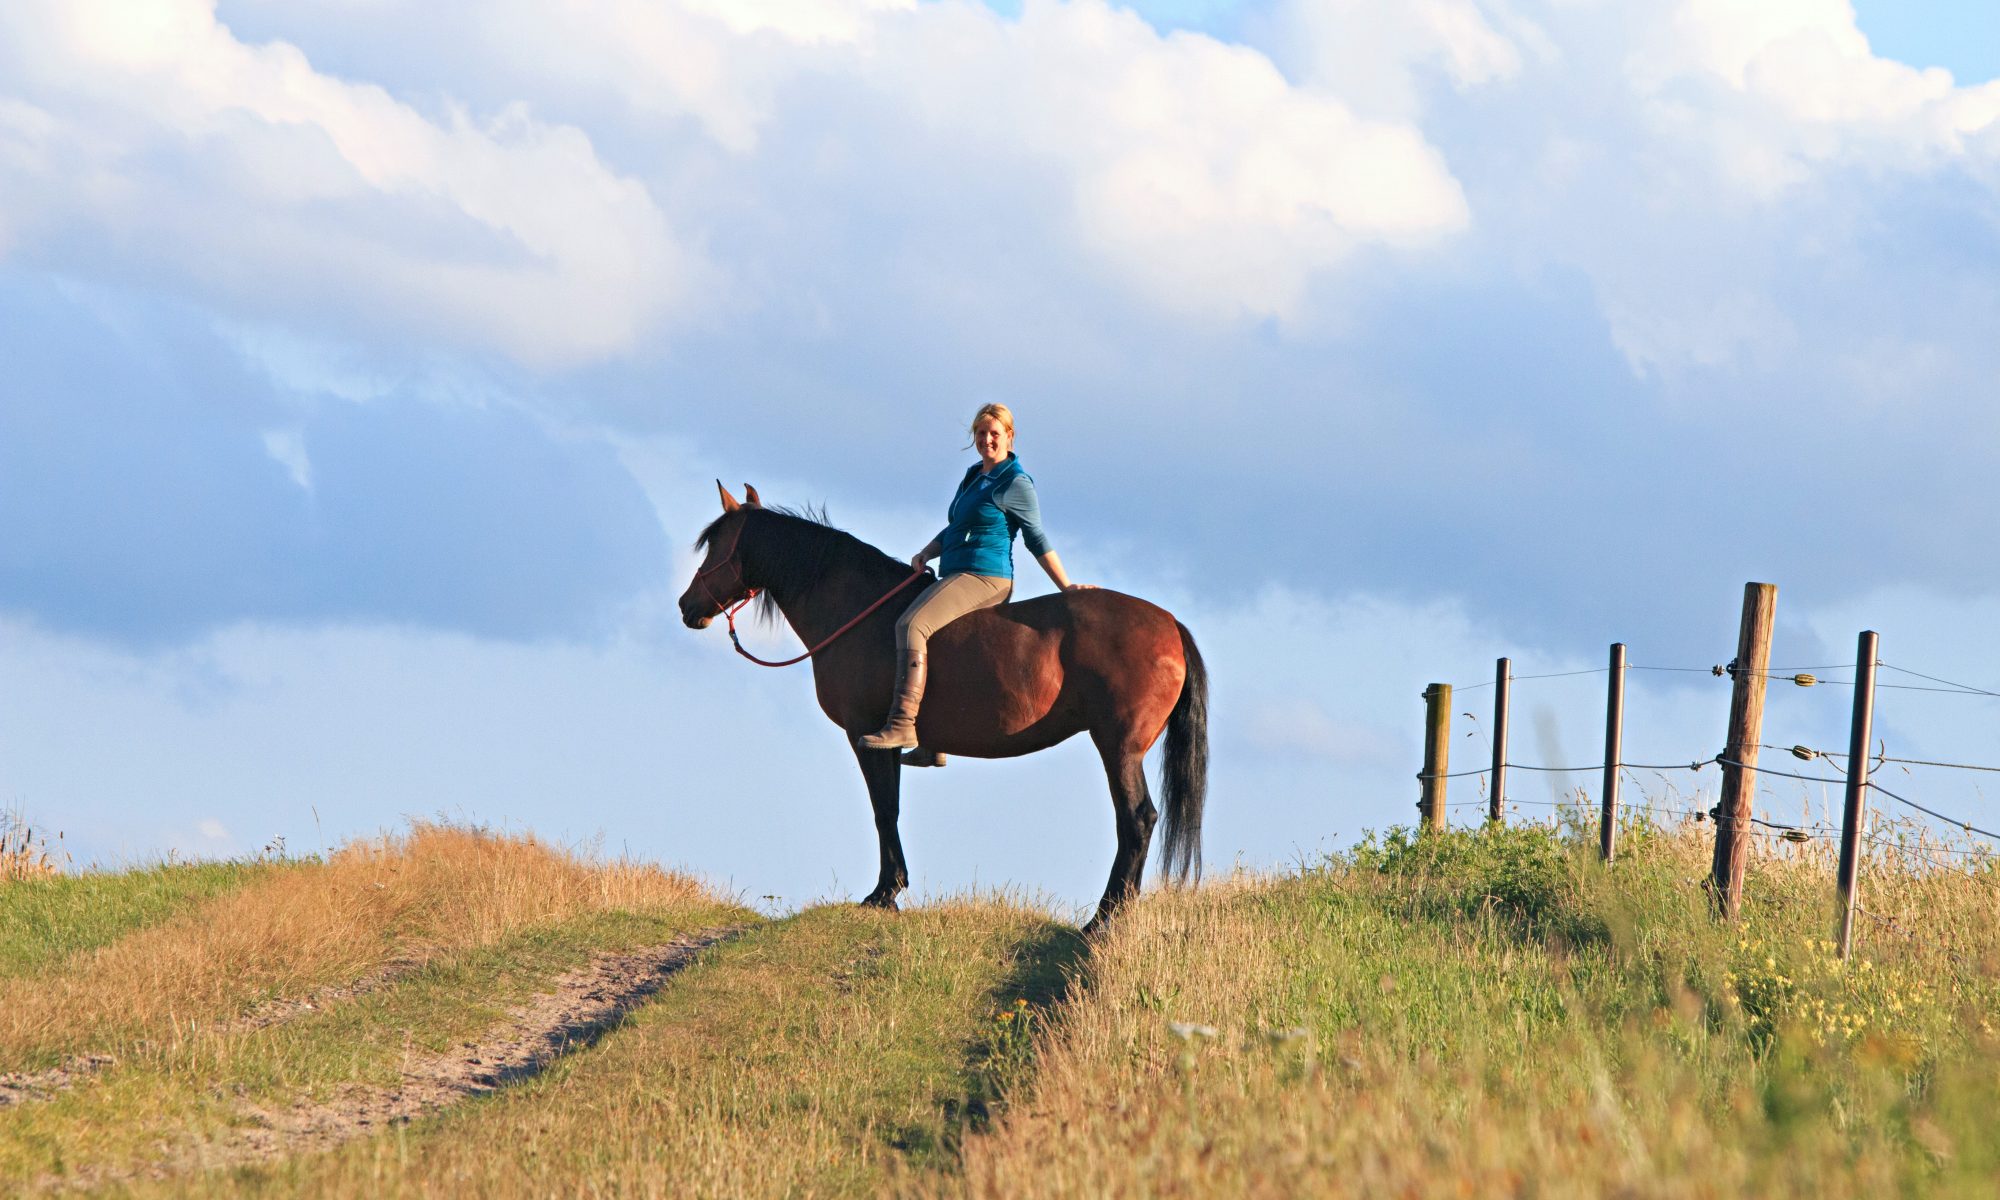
{"x":944,"y":602}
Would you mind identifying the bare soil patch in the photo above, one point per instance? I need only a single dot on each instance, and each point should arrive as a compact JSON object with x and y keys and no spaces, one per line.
{"x":20,"y":1087}
{"x":278,"y":1011}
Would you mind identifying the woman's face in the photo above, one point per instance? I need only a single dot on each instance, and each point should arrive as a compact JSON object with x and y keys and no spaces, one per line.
{"x":992,"y":440}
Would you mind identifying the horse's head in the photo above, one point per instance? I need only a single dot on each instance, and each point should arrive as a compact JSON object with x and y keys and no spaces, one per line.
{"x":721,"y":581}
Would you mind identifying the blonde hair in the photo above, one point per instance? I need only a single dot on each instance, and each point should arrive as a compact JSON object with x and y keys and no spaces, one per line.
{"x":998,"y":412}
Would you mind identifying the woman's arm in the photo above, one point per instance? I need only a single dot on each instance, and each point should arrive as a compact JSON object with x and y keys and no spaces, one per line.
{"x":1024,"y":508}
{"x":1054,"y":567}
{"x":926,"y":554}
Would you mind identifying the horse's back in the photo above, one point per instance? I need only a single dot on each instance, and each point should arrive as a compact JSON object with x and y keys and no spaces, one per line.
{"x":1080,"y":625}
{"x":1046,"y":668}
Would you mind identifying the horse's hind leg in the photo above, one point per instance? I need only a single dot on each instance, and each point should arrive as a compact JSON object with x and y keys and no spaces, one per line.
{"x":883,"y":773}
{"x":1132,"y":806}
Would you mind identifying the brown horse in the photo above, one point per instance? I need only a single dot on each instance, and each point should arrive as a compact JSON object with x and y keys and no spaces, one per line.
{"x":1005,"y":681}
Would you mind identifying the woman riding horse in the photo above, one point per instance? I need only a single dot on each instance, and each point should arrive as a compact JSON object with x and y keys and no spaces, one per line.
{"x":995,"y":500}
{"x":1015,"y":679}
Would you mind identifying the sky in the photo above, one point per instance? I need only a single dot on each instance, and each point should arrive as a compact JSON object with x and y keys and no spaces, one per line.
{"x":369,"y":366}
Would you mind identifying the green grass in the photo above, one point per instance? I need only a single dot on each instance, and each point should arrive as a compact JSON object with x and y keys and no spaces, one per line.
{"x":44,"y":921}
{"x":1494,"y":1013}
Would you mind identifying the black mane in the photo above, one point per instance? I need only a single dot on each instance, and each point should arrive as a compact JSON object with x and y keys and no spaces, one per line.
{"x":792,"y":549}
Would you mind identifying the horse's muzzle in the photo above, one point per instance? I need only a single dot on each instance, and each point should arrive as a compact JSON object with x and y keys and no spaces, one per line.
{"x":694,"y":622}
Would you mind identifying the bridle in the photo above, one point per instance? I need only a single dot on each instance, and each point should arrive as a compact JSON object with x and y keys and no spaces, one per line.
{"x":728,"y":612}
{"x":727,"y":560}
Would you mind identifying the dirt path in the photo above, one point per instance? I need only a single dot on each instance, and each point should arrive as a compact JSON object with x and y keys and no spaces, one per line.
{"x":586,"y":1004}
{"x":20,"y":1087}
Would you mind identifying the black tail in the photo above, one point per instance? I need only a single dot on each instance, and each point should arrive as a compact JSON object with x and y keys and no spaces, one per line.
{"x":1184,"y":773}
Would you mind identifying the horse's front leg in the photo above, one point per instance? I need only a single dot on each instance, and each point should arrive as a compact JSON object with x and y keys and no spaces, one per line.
{"x":882,"y":769}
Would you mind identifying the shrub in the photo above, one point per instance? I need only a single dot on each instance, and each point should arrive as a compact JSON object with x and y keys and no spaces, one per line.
{"x":1530,"y":875}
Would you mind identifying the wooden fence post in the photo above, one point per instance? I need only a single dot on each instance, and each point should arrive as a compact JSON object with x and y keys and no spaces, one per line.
{"x":1866,"y":653}
{"x":1437,"y":752}
{"x":1614,"y":750}
{"x":1503,"y":676}
{"x":1746,"y":729}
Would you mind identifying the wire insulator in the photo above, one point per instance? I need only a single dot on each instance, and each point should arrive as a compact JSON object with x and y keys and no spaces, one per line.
{"x":1805,"y":679}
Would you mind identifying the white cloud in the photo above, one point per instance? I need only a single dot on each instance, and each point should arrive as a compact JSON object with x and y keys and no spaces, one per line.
{"x":1805,"y":85}
{"x":1191,"y":172}
{"x":1207,"y":180}
{"x":1697,"y":159}
{"x":1375,"y":55}
{"x":269,"y":183}
{"x":800,"y":20}
{"x":1187,"y":172}
{"x":1196,"y":175}
{"x":287,"y":448}
{"x":1730,"y":194}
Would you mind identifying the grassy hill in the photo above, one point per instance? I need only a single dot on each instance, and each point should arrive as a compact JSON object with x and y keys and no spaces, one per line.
{"x":454,"y":1012}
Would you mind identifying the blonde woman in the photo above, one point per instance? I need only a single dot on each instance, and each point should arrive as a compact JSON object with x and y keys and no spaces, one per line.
{"x":994,"y":501}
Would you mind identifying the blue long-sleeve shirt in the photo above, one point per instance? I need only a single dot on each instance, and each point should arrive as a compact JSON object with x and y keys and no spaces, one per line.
{"x":985,"y":513}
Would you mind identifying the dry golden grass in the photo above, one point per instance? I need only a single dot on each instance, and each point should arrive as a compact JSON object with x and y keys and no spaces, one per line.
{"x":1502,"y":1017}
{"x":366,"y":908}
{"x":23,"y":855}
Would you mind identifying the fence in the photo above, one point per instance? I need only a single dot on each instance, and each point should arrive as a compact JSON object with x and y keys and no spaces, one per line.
{"x":1734,"y":816}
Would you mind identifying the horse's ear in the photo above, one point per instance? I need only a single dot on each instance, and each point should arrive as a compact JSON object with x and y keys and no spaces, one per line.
{"x":729,"y":504}
{"x":750,"y":497}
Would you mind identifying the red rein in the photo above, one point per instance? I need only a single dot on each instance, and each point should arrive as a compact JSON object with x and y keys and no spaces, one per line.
{"x":729,"y":612}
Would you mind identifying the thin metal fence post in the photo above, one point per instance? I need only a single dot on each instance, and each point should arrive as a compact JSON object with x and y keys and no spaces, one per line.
{"x":1867,"y":652}
{"x":1503,"y":676}
{"x":1614,"y":750}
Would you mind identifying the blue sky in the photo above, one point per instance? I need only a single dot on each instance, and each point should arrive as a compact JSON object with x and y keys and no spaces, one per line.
{"x":1962,"y":36}
{"x":362,"y":404}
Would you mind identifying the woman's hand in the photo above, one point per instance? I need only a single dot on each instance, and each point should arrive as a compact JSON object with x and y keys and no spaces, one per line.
{"x":1078,"y":587}
{"x":918,"y":560}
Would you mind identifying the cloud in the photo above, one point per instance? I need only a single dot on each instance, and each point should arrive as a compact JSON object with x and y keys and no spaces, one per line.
{"x":154,"y":485}
{"x":1379,"y":57}
{"x":1198,"y":174}
{"x":1400,"y":338}
{"x":1468,"y":322}
{"x":1187,"y":172}
{"x":145,"y":138}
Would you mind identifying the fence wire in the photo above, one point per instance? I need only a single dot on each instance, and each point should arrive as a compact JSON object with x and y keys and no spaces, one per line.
{"x":1791,"y":833}
{"x":1949,"y":685}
